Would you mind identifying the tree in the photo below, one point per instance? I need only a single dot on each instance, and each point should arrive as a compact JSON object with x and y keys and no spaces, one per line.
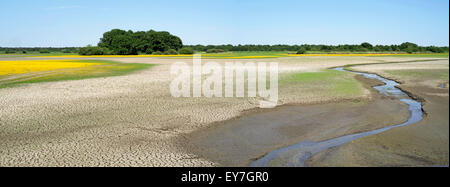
{"x":108,"y":37}
{"x":123,"y":45}
{"x":395,"y":48}
{"x":142,"y":44}
{"x":325,"y":47}
{"x":162,"y":41}
{"x":411,"y":50}
{"x":301,"y":51}
{"x":367,"y":45}
{"x":408,"y":45}
{"x":434,"y":49}
{"x":122,"y":42}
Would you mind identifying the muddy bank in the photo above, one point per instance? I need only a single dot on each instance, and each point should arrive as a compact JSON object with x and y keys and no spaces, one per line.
{"x":240,"y":141}
{"x":422,"y":144}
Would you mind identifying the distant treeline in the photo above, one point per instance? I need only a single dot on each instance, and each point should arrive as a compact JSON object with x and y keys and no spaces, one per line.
{"x":364,"y":47}
{"x":120,"y":42}
{"x":25,"y":50}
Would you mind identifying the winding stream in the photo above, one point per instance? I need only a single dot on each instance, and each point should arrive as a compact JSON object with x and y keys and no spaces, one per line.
{"x":296,"y":155}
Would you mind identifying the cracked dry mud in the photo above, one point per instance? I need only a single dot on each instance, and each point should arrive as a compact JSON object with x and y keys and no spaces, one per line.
{"x":129,"y":120}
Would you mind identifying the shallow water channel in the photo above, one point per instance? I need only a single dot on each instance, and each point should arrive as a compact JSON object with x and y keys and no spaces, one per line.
{"x":296,"y":155}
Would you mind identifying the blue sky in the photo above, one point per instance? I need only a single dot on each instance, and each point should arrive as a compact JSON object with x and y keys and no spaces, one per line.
{"x":57,"y":23}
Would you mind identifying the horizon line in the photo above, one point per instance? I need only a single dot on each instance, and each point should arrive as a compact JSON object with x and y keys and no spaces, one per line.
{"x":231,"y":44}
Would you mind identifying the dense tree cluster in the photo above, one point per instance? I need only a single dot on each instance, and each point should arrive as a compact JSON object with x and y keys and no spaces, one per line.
{"x":364,"y":47}
{"x":121,"y":42}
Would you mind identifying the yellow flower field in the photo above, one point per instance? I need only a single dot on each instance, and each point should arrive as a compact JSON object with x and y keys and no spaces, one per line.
{"x":33,"y":71}
{"x":30,"y":66}
{"x":108,"y":56}
{"x":374,"y":54}
{"x":242,"y":55}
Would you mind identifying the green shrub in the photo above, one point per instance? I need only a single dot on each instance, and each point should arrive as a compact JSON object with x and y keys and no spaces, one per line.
{"x":435,"y":49}
{"x":367,"y":45}
{"x":149,"y":51}
{"x":157,"y":53}
{"x":186,"y":51}
{"x":408,"y":45}
{"x":172,"y":52}
{"x":301,"y":51}
{"x":411,"y":50}
{"x":44,"y":51}
{"x":66,"y":51}
{"x":215,"y":51}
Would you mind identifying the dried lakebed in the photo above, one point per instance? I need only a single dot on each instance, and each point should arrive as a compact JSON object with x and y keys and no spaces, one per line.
{"x":243,"y":140}
{"x":297,"y":154}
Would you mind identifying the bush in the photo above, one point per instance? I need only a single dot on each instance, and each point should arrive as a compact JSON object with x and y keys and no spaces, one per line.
{"x":90,"y":50}
{"x":411,"y":50}
{"x":66,"y":51}
{"x":10,"y":52}
{"x":301,"y":51}
{"x":149,"y":51}
{"x":367,"y":46}
{"x":44,"y":51}
{"x":435,"y":49}
{"x":157,"y":53}
{"x":215,"y":51}
{"x":409,"y":45}
{"x":186,"y":51}
{"x":172,"y":52}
